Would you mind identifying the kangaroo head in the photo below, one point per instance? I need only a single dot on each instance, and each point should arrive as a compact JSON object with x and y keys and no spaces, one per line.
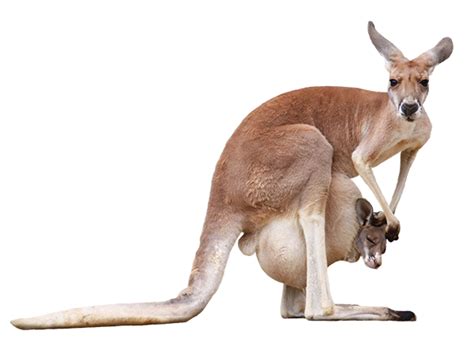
{"x":370,"y":242}
{"x":408,"y":82}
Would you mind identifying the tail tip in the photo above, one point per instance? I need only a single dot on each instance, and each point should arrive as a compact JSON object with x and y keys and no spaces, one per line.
{"x":19,"y":324}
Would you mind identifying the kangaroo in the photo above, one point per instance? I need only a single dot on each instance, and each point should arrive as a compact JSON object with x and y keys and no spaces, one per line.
{"x":352,"y":230}
{"x":279,"y":163}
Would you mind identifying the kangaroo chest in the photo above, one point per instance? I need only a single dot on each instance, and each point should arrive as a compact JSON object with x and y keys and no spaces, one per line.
{"x":405,"y":136}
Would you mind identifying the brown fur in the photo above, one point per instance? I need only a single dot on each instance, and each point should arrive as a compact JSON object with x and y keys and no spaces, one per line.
{"x":280,"y":160}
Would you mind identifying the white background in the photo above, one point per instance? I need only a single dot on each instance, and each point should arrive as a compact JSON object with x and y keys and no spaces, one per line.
{"x":114,"y":113}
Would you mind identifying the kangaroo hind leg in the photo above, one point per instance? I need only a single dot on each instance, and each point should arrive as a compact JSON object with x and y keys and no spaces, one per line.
{"x":292,"y":302}
{"x":312,"y":219}
{"x":344,"y":312}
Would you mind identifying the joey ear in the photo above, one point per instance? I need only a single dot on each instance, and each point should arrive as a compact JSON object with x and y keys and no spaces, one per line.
{"x":438,"y":54}
{"x":387,"y":49}
{"x":364,"y":210}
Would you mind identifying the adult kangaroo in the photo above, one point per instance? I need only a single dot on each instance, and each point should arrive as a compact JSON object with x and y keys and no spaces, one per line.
{"x":279,"y":163}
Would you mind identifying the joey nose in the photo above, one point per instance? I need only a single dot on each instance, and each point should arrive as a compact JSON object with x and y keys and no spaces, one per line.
{"x":409,"y":108}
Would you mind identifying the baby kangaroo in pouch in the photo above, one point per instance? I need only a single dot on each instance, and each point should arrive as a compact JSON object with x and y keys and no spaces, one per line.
{"x":276,"y":170}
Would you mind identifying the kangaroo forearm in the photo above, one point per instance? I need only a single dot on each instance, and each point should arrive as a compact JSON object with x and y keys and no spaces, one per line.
{"x":367,"y":175}
{"x":407,"y":158}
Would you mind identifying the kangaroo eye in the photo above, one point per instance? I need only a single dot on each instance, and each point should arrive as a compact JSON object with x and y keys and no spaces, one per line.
{"x":393,"y":82}
{"x":424,"y":83}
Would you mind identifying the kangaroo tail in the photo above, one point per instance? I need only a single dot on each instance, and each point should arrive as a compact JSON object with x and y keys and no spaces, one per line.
{"x":218,"y":236}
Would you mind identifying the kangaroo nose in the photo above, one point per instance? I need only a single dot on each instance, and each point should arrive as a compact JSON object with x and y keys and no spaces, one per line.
{"x":409,"y":109}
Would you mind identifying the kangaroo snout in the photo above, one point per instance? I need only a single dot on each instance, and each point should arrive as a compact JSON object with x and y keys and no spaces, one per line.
{"x":408,"y":110}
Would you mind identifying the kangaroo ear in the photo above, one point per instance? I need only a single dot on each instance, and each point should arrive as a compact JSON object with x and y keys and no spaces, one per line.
{"x":364,"y":210}
{"x":389,"y":51}
{"x":438,"y":54}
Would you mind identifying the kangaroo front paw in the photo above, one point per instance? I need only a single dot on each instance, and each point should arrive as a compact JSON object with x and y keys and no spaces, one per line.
{"x":392,"y":230}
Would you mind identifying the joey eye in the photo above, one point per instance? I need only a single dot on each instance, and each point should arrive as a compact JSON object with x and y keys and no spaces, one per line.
{"x":393,"y":82}
{"x":424,"y":82}
{"x":371,"y":240}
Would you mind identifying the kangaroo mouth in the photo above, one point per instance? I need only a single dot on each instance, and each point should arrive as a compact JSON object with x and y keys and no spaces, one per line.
{"x":373,"y":261}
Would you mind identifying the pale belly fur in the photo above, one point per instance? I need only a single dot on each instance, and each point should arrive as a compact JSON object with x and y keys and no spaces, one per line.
{"x":280,"y":245}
